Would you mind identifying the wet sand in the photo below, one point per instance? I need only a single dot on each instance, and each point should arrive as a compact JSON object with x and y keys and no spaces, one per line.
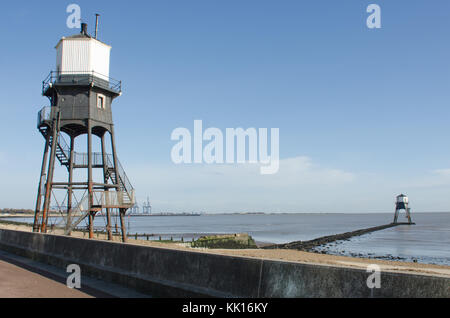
{"x":288,"y":255}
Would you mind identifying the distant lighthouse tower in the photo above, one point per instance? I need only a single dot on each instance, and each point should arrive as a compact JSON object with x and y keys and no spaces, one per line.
{"x":81,"y":93}
{"x":401,"y":203}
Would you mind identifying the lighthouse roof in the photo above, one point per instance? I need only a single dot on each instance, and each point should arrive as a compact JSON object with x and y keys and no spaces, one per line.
{"x":80,"y":36}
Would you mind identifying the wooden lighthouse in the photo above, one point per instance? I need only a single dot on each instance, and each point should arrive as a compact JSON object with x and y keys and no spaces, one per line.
{"x":401,"y":203}
{"x":81,"y":93}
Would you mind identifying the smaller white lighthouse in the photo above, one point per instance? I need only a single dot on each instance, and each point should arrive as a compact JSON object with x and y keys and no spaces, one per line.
{"x":401,"y":203}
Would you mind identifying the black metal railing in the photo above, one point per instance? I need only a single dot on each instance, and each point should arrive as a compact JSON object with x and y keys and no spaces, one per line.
{"x":46,"y":114}
{"x":81,"y":78}
{"x":82,"y":159}
{"x":122,"y":177}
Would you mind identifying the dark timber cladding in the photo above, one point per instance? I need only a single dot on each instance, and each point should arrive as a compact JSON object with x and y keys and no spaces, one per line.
{"x":81,"y":93}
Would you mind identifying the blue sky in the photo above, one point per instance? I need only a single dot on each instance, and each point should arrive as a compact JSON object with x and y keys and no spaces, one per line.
{"x":363,"y":114}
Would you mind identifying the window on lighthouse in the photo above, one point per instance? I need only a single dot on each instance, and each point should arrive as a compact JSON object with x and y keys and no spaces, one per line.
{"x":100,"y":101}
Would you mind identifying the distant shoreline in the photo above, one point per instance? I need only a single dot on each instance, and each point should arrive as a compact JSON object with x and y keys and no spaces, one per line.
{"x":172,"y":214}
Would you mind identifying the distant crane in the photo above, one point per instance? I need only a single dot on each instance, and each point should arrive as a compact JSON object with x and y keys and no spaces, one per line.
{"x":135,"y":209}
{"x":147,"y":207}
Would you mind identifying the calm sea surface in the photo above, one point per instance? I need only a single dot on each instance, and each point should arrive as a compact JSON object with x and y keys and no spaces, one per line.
{"x":427,"y":242}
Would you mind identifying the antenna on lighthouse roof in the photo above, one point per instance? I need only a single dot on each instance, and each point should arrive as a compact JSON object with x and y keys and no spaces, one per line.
{"x":96,"y":25}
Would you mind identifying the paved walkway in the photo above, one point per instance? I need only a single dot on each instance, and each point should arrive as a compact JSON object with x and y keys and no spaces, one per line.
{"x":24,"y":278}
{"x":18,"y":282}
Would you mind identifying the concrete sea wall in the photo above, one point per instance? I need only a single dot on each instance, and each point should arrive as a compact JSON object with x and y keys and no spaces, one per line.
{"x":174,"y":273}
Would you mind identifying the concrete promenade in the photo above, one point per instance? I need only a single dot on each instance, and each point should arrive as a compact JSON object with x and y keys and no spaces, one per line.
{"x":24,"y":278}
{"x":19,"y":282}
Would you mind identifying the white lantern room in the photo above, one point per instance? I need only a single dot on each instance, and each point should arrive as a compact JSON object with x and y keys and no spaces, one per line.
{"x":82,"y":54}
{"x":402,"y":199}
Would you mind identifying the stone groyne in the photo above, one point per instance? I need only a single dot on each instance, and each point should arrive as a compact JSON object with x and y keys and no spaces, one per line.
{"x":310,"y":245}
